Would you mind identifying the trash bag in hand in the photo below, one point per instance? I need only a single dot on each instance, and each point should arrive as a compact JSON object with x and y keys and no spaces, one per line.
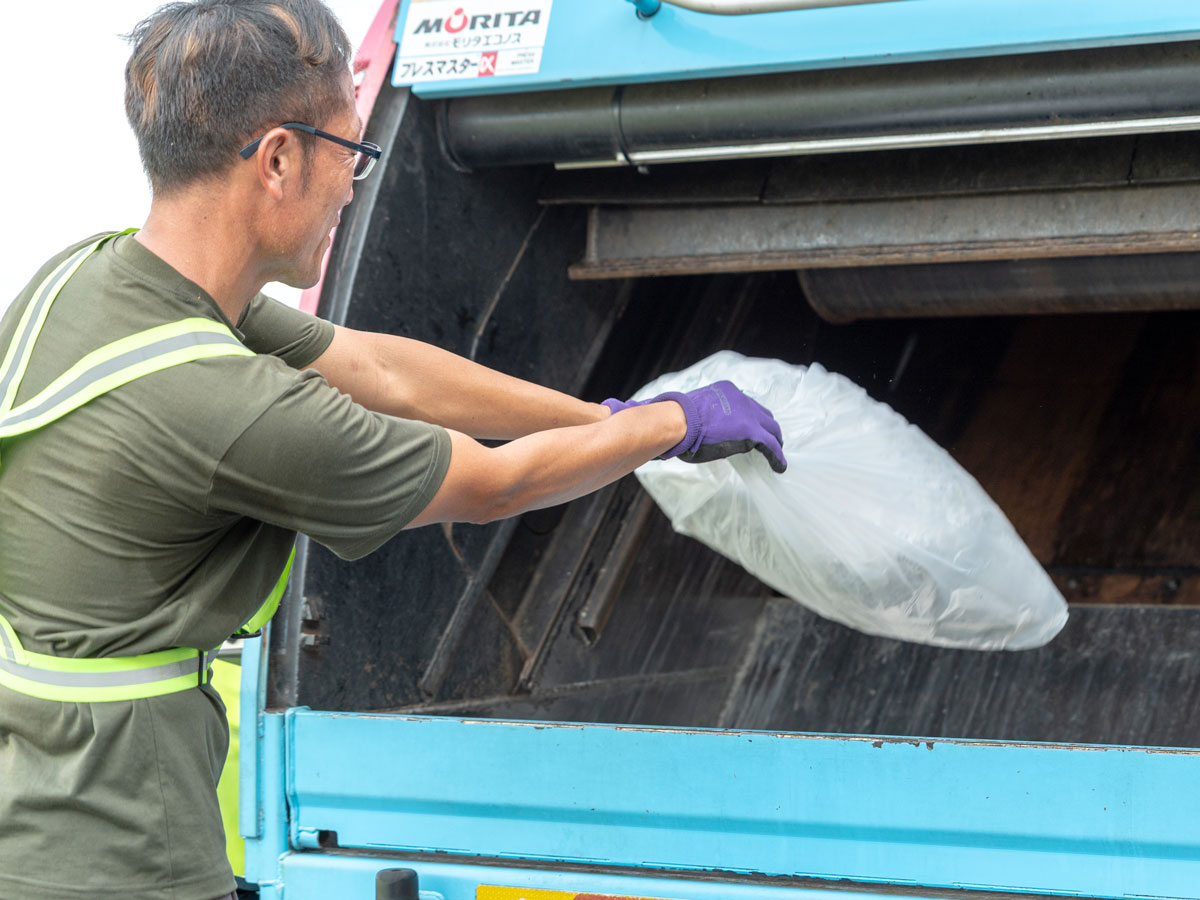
{"x":872,"y":525}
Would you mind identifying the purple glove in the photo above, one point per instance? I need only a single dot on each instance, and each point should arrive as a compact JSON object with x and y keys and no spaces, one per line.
{"x":721,"y":421}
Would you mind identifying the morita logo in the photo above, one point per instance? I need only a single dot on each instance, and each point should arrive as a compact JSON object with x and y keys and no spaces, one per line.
{"x":460,"y":21}
{"x":450,"y":39}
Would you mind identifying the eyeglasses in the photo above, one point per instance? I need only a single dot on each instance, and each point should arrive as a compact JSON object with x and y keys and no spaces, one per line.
{"x":366,"y":152}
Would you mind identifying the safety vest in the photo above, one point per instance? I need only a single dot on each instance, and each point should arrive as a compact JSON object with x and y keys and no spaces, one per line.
{"x":102,"y":370}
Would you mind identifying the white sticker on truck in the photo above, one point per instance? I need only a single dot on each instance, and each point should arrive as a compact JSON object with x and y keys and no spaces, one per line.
{"x":450,"y":39}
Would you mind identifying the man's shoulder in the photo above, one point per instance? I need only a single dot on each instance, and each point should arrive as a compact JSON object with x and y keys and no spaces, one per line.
{"x":222,"y":392}
{"x":39,"y":277}
{"x":274,"y":328}
{"x":48,"y":267}
{"x":120,"y":292}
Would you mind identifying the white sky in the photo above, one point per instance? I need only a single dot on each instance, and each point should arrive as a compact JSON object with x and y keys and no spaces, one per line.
{"x":69,"y":161}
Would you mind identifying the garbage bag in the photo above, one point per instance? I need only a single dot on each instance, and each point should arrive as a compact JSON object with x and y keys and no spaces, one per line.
{"x":872,"y":525}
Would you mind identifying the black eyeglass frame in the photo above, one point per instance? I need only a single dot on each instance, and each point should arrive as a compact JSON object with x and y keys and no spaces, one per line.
{"x":370,"y":152}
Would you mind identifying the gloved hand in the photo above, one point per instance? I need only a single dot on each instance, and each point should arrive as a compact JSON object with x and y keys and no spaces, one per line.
{"x":722,"y":421}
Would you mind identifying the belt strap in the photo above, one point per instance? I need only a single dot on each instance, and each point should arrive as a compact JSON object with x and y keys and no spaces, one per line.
{"x":119,"y":677}
{"x":94,"y":680}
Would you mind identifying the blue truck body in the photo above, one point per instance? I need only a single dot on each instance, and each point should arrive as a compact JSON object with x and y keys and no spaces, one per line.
{"x":605,"y":42}
{"x":331,"y":797}
{"x":652,"y":812}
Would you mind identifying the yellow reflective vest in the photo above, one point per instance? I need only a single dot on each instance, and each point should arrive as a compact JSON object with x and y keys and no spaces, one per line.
{"x":102,"y":370}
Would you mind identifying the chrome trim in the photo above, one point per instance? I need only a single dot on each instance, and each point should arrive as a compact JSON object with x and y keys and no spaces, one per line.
{"x":895,"y":142}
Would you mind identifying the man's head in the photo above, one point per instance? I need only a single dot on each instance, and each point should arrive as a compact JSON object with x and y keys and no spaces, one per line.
{"x":208,"y":76}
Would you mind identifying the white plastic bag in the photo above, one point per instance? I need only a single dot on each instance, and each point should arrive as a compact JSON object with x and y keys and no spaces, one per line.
{"x":872,"y":525}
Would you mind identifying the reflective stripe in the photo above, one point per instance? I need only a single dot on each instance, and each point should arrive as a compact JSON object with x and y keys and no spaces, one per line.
{"x":30,"y":325}
{"x":11,"y":647}
{"x":119,"y":363}
{"x":103,"y":677}
{"x":271,"y":604}
{"x":31,"y":320}
{"x":91,"y":680}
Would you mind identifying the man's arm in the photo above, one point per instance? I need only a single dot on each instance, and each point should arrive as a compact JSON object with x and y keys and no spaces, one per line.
{"x":551,"y":467}
{"x":414,"y":380}
{"x":560,"y":447}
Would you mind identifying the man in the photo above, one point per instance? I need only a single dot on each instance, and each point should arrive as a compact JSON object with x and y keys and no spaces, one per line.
{"x":149,"y":499}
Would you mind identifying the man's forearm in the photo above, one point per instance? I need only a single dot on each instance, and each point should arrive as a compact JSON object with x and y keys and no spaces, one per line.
{"x":708,"y":423}
{"x":550,"y":467}
{"x":414,"y":380}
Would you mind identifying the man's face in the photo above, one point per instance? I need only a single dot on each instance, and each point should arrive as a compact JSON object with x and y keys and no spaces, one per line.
{"x":329,"y":173}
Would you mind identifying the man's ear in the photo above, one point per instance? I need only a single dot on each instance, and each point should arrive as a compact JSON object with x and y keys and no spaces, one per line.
{"x":278,"y":162}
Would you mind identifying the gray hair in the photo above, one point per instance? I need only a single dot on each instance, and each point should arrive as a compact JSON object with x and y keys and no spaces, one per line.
{"x":207,"y":77}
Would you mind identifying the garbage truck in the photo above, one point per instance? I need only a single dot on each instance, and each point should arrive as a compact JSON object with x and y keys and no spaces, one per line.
{"x":985,"y":213}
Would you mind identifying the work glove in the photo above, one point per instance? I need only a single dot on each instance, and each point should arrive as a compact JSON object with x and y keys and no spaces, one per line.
{"x":721,"y":421}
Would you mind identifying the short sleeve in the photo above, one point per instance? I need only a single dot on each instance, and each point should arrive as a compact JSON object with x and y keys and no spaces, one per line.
{"x":276,"y":329}
{"x":319,"y":463}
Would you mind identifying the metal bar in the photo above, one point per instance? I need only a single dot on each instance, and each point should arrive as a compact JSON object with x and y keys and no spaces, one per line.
{"x":282,"y":676}
{"x":264,"y":852}
{"x":319,"y":876}
{"x":615,"y":567}
{"x":1093,"y":284}
{"x":443,"y":655}
{"x":1032,"y":97}
{"x":751,"y":7}
{"x":252,"y":697}
{"x":626,"y":242}
{"x":971,"y":136}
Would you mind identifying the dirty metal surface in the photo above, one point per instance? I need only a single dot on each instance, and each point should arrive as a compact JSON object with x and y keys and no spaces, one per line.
{"x":1085,"y":435}
{"x":500,"y":296}
{"x":633,"y":242}
{"x":963,"y":99}
{"x":1032,"y":407}
{"x":942,"y":231}
{"x":1081,"y":427}
{"x":680,"y":185}
{"x":1116,"y":674}
{"x":1092,"y":284}
{"x":1180,"y":587}
{"x":893,"y":175}
{"x":1125,"y":675}
{"x":350,"y":872}
{"x":599,"y":612}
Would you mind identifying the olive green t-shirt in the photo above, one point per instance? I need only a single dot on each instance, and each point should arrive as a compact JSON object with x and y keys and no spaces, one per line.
{"x":160,"y":515}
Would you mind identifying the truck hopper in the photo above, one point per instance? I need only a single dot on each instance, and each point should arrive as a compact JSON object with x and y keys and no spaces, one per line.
{"x":1003,"y":244}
